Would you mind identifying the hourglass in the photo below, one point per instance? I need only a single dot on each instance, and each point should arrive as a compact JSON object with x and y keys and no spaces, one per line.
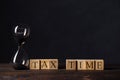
{"x":21,"y":59}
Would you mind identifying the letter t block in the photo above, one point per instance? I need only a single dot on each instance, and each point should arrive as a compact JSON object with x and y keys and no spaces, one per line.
{"x":34,"y":64}
{"x":71,"y":64}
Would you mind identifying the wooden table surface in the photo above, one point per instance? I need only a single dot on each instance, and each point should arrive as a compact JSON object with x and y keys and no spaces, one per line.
{"x":8,"y":73}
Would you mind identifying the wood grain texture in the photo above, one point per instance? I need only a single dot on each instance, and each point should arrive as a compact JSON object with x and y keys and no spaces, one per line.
{"x":8,"y":73}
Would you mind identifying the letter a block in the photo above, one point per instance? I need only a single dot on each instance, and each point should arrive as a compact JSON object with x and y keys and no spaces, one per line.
{"x":44,"y":63}
{"x":34,"y":64}
{"x":49,"y":63}
{"x":71,"y":64}
{"x":99,"y":64}
{"x":85,"y":64}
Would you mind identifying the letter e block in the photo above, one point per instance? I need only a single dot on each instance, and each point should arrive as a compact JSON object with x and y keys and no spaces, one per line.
{"x":99,"y":64}
{"x":34,"y":64}
{"x":71,"y":64}
{"x":90,"y":64}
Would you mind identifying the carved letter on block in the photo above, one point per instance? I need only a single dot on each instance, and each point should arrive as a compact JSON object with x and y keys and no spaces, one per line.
{"x":49,"y":63}
{"x":89,"y":64}
{"x":85,"y":64}
{"x":81,"y":65}
{"x":53,"y":64}
{"x":34,"y":64}
{"x":99,"y":64}
{"x":44,"y":63}
{"x":71,"y":64}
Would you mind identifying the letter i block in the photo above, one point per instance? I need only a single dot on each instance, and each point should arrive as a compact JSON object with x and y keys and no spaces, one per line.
{"x":85,"y":64}
{"x":99,"y":64}
{"x":34,"y":64}
{"x":81,"y":65}
{"x":71,"y":64}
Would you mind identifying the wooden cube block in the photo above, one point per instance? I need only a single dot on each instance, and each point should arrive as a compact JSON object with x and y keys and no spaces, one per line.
{"x":49,"y":63}
{"x":99,"y":64}
{"x":81,"y":65}
{"x":71,"y":64}
{"x":34,"y":64}
{"x":53,"y":63}
{"x":85,"y":64}
{"x":44,"y":63}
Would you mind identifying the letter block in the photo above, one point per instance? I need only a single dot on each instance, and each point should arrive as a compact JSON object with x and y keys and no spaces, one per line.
{"x":49,"y":63}
{"x":99,"y":64}
{"x":71,"y":64}
{"x":53,"y":64}
{"x":85,"y":64}
{"x":34,"y":64}
{"x":44,"y":63}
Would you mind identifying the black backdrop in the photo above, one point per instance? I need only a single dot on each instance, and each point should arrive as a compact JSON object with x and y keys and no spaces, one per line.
{"x":63,"y":29}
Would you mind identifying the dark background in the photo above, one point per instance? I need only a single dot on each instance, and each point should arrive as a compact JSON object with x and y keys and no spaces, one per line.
{"x":63,"y":29}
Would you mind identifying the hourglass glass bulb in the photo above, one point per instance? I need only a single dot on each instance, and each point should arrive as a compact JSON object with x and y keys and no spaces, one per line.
{"x":20,"y":59}
{"x":21,"y":33}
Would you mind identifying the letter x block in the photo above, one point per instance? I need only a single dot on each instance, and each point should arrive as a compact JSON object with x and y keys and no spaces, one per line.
{"x":49,"y":63}
{"x":34,"y":64}
{"x":53,"y":63}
